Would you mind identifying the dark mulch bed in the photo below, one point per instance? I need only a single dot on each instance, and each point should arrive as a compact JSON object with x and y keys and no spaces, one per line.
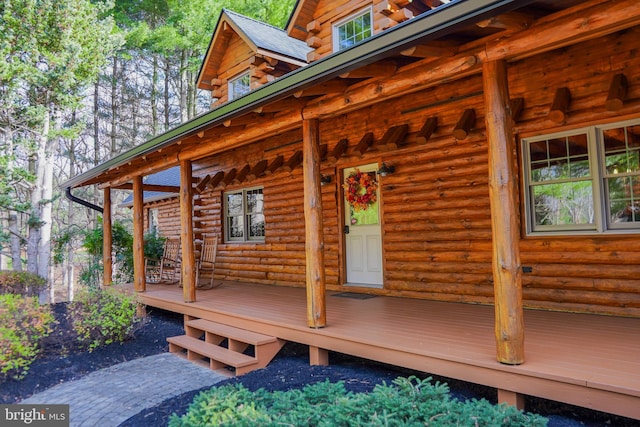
{"x":63,"y":361}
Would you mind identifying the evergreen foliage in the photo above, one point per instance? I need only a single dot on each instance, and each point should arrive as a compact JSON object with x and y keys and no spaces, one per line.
{"x":406,"y":402}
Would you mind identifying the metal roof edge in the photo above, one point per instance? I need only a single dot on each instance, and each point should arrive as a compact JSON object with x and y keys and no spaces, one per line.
{"x":429,"y":24}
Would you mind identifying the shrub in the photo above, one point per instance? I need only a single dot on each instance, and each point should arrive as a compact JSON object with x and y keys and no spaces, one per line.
{"x":408,"y":402}
{"x":23,"y":324}
{"x":103,"y":316}
{"x":21,"y":283}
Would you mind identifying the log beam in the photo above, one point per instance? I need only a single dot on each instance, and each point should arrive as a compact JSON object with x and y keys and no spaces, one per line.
{"x":365,"y":142}
{"x":314,"y":236}
{"x":424,"y":134}
{"x":275,"y":165}
{"x":465,"y":124}
{"x":186,"y":233}
{"x":394,"y":137}
{"x":258,"y":170}
{"x":229,"y":177}
{"x":107,"y":239}
{"x":294,"y":160}
{"x":617,"y":92}
{"x":242,"y":174}
{"x":202,"y":184}
{"x":139,"y":283}
{"x":507,"y":274}
{"x":516,"y":105}
{"x":338,"y":150}
{"x":217,"y":178}
{"x":560,"y":105}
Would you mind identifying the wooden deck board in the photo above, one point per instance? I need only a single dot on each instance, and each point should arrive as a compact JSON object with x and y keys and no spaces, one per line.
{"x":582,"y":359}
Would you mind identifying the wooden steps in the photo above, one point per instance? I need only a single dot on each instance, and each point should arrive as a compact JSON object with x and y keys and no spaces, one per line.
{"x":203,"y":341}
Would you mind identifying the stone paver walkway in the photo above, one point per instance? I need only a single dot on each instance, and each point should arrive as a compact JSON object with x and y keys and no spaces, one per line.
{"x":112,"y":395}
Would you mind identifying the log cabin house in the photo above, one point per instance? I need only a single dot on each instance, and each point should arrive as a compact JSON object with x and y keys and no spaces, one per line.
{"x":452,"y":187}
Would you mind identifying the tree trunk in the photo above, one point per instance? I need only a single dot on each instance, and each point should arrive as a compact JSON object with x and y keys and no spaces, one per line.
{"x":114,"y":106}
{"x":184,"y":87}
{"x":154,"y":97}
{"x":16,"y":247}
{"x":167,"y":98}
{"x":39,"y":240}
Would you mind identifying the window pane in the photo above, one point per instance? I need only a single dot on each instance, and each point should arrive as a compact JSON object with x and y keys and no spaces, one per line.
{"x":239,"y":86}
{"x":559,"y":159}
{"x":234,"y":204}
{"x":254,"y":201}
{"x":354,"y":31}
{"x":235,"y":227}
{"x":624,"y":199}
{"x":568,"y":203}
{"x":256,"y":226}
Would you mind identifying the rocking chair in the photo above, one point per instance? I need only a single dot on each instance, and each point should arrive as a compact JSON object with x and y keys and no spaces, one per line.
{"x":164,"y":270}
{"x":207,"y":262}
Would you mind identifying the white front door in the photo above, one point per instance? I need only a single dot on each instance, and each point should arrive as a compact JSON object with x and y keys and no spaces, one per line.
{"x":363,"y":231}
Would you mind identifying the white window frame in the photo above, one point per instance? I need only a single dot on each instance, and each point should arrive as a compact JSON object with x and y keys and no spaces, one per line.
{"x":336,"y":28}
{"x":246,"y":216}
{"x":598,"y":177}
{"x":233,"y":85}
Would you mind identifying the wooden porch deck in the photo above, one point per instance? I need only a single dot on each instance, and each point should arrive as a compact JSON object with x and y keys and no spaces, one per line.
{"x":585,"y":360}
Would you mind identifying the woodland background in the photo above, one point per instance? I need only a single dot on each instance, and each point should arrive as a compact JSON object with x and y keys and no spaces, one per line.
{"x":80,"y":82}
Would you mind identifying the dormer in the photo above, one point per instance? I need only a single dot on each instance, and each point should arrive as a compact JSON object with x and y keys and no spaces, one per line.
{"x":245,"y":54}
{"x":328,"y":26}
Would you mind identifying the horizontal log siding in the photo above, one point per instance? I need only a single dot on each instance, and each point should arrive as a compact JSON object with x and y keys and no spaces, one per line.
{"x":330,"y":12}
{"x":168,"y":217}
{"x":598,"y":274}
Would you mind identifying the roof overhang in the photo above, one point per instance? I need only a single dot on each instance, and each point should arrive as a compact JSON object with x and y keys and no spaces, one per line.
{"x":428,"y":26}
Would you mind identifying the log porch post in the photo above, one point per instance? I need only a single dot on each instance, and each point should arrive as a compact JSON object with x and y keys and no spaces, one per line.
{"x":139,"y":283}
{"x":507,"y":274}
{"x":314,"y":237}
{"x":107,"y":239}
{"x":186,"y":232}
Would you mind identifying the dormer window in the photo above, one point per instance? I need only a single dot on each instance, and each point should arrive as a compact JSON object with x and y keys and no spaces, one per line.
{"x":352,"y":30}
{"x":239,"y":85}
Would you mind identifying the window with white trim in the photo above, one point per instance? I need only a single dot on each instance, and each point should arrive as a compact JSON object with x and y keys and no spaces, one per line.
{"x":353,"y":30}
{"x":583,"y":180}
{"x":239,"y":85}
{"x":244,"y":215}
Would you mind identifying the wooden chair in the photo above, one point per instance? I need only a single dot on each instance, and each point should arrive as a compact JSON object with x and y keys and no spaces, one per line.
{"x":207,"y":262}
{"x":164,"y":270}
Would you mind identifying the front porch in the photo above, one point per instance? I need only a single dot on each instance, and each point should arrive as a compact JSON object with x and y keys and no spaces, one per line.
{"x":586,"y":360}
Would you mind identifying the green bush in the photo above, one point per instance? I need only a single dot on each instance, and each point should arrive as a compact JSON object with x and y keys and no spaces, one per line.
{"x":23,"y":324}
{"x":103,"y":316}
{"x":122,"y":241}
{"x":408,"y":402}
{"x":21,"y":283}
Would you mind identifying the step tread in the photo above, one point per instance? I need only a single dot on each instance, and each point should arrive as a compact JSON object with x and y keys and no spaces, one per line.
{"x":243,"y":335}
{"x":212,"y":351}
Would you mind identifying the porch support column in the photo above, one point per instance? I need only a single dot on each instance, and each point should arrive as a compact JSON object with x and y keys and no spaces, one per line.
{"x":107,"y":239}
{"x":186,"y":233}
{"x":314,"y":237}
{"x":507,"y":273}
{"x":139,"y":284}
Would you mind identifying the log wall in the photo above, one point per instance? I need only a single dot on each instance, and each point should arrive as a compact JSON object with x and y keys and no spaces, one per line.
{"x":435,"y":207}
{"x":330,"y":12}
